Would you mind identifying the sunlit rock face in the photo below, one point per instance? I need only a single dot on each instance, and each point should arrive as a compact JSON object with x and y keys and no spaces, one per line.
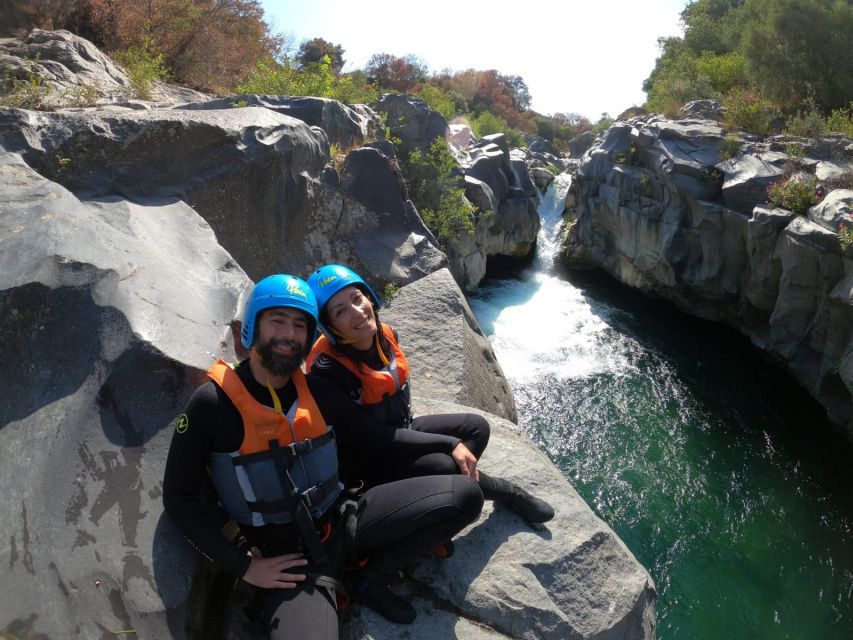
{"x":659,"y":208}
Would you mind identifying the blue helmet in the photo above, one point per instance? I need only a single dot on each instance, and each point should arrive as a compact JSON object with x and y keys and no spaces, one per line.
{"x":279,"y":291}
{"x":326,"y":281}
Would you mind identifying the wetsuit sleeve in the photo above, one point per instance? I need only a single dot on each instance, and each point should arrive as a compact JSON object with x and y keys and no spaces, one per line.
{"x":186,"y":480}
{"x":356,"y":430}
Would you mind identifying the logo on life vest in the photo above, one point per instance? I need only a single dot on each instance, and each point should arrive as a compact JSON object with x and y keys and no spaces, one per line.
{"x":294,"y":288}
{"x":182,"y":424}
{"x":266,"y":427}
{"x":327,"y":280}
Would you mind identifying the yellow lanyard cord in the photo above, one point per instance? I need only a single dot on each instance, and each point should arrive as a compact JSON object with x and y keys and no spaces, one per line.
{"x":275,"y":401}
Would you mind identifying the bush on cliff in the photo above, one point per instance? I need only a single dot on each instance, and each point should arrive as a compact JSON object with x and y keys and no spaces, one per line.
{"x":315,"y":79}
{"x":144,"y":67}
{"x":435,"y":186}
{"x":487,"y":123}
{"x":794,"y":194}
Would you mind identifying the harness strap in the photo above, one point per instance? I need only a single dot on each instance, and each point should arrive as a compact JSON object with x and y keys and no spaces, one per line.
{"x":336,"y":586}
{"x":303,"y":519}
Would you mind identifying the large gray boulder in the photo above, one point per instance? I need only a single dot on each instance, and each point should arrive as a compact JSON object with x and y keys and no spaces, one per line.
{"x":64,"y":62}
{"x":253,"y":174}
{"x":344,"y":126}
{"x":835,"y":210}
{"x":661,"y":213}
{"x":241,"y":169}
{"x":452,"y":359}
{"x":705,"y":109}
{"x":113,"y":310}
{"x":412,"y":121}
{"x":73,"y":72}
{"x":747,"y":179}
{"x":580,"y":143}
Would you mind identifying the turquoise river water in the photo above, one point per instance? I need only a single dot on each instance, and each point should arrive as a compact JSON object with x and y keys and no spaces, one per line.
{"x":722,"y":476}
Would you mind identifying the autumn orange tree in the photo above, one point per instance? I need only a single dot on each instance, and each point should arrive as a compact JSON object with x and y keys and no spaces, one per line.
{"x":394,"y":73}
{"x":206,"y":44}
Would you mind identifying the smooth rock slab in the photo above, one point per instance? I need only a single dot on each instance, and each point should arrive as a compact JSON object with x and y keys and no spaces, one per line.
{"x":452,"y":359}
{"x":112,"y":311}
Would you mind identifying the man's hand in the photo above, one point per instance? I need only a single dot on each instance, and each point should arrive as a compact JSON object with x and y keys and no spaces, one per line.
{"x":269,"y":573}
{"x":466,"y":461}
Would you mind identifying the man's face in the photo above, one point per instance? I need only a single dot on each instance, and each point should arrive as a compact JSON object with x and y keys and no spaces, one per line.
{"x":282,"y":340}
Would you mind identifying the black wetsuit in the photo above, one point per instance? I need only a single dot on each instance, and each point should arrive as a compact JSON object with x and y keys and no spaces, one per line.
{"x":472,"y":429}
{"x":396,"y":521}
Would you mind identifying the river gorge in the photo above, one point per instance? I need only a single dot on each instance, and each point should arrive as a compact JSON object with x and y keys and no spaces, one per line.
{"x":719,"y":472}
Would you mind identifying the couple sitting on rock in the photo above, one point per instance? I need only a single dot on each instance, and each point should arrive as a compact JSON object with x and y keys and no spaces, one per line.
{"x":279,"y":446}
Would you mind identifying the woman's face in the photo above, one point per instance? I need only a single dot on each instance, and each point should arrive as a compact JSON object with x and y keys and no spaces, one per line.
{"x":351,"y":316}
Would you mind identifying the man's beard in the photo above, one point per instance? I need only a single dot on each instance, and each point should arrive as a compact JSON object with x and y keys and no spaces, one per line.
{"x":277,"y":364}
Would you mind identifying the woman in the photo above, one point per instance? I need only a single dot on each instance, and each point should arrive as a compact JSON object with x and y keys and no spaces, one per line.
{"x":363,"y":357}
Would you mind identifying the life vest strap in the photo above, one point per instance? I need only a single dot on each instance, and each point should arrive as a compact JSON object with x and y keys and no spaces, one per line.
{"x":290,"y":451}
{"x":312,"y":496}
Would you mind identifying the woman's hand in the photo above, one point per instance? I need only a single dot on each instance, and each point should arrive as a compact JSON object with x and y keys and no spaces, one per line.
{"x":269,"y":573}
{"x":466,"y":461}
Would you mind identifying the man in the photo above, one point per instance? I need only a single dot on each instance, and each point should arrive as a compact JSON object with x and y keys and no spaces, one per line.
{"x":266,"y":437}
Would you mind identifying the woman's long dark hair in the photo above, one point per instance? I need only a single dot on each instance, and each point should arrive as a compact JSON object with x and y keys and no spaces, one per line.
{"x":356,"y":355}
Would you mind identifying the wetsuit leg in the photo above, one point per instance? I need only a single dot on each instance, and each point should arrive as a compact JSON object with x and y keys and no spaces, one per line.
{"x":303,"y":613}
{"x":471,"y":428}
{"x":401,"y":520}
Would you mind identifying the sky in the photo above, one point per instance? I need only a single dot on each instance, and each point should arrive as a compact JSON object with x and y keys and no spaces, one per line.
{"x":587,"y":57}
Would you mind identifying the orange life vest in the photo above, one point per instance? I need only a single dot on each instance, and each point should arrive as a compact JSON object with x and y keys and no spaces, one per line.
{"x":248,"y":483}
{"x":387,"y":386}
{"x":375,"y":384}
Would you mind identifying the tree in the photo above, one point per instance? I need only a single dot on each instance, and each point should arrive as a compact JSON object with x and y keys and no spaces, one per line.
{"x":789,"y":50}
{"x":520,"y":93}
{"x":801,"y":49}
{"x":313,"y":51}
{"x":207,"y":44}
{"x":398,"y":74}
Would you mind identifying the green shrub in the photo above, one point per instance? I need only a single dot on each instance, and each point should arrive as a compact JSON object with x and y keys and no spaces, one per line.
{"x":795,"y":151}
{"x":435,"y":186}
{"x":845,"y":238}
{"x":388,"y":292}
{"x":747,"y":109}
{"x":441,"y":101}
{"x":454,"y":216}
{"x":144,"y":67}
{"x":730,"y":147}
{"x":487,"y":123}
{"x":604,"y":123}
{"x":794,"y":194}
{"x":316,"y":79}
{"x":808,"y":121}
{"x":85,"y":95}
{"x":723,"y":71}
{"x":841,"y":120}
{"x":31,"y":93}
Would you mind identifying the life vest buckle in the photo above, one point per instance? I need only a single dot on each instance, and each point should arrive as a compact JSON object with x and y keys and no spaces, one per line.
{"x":301,"y":447}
